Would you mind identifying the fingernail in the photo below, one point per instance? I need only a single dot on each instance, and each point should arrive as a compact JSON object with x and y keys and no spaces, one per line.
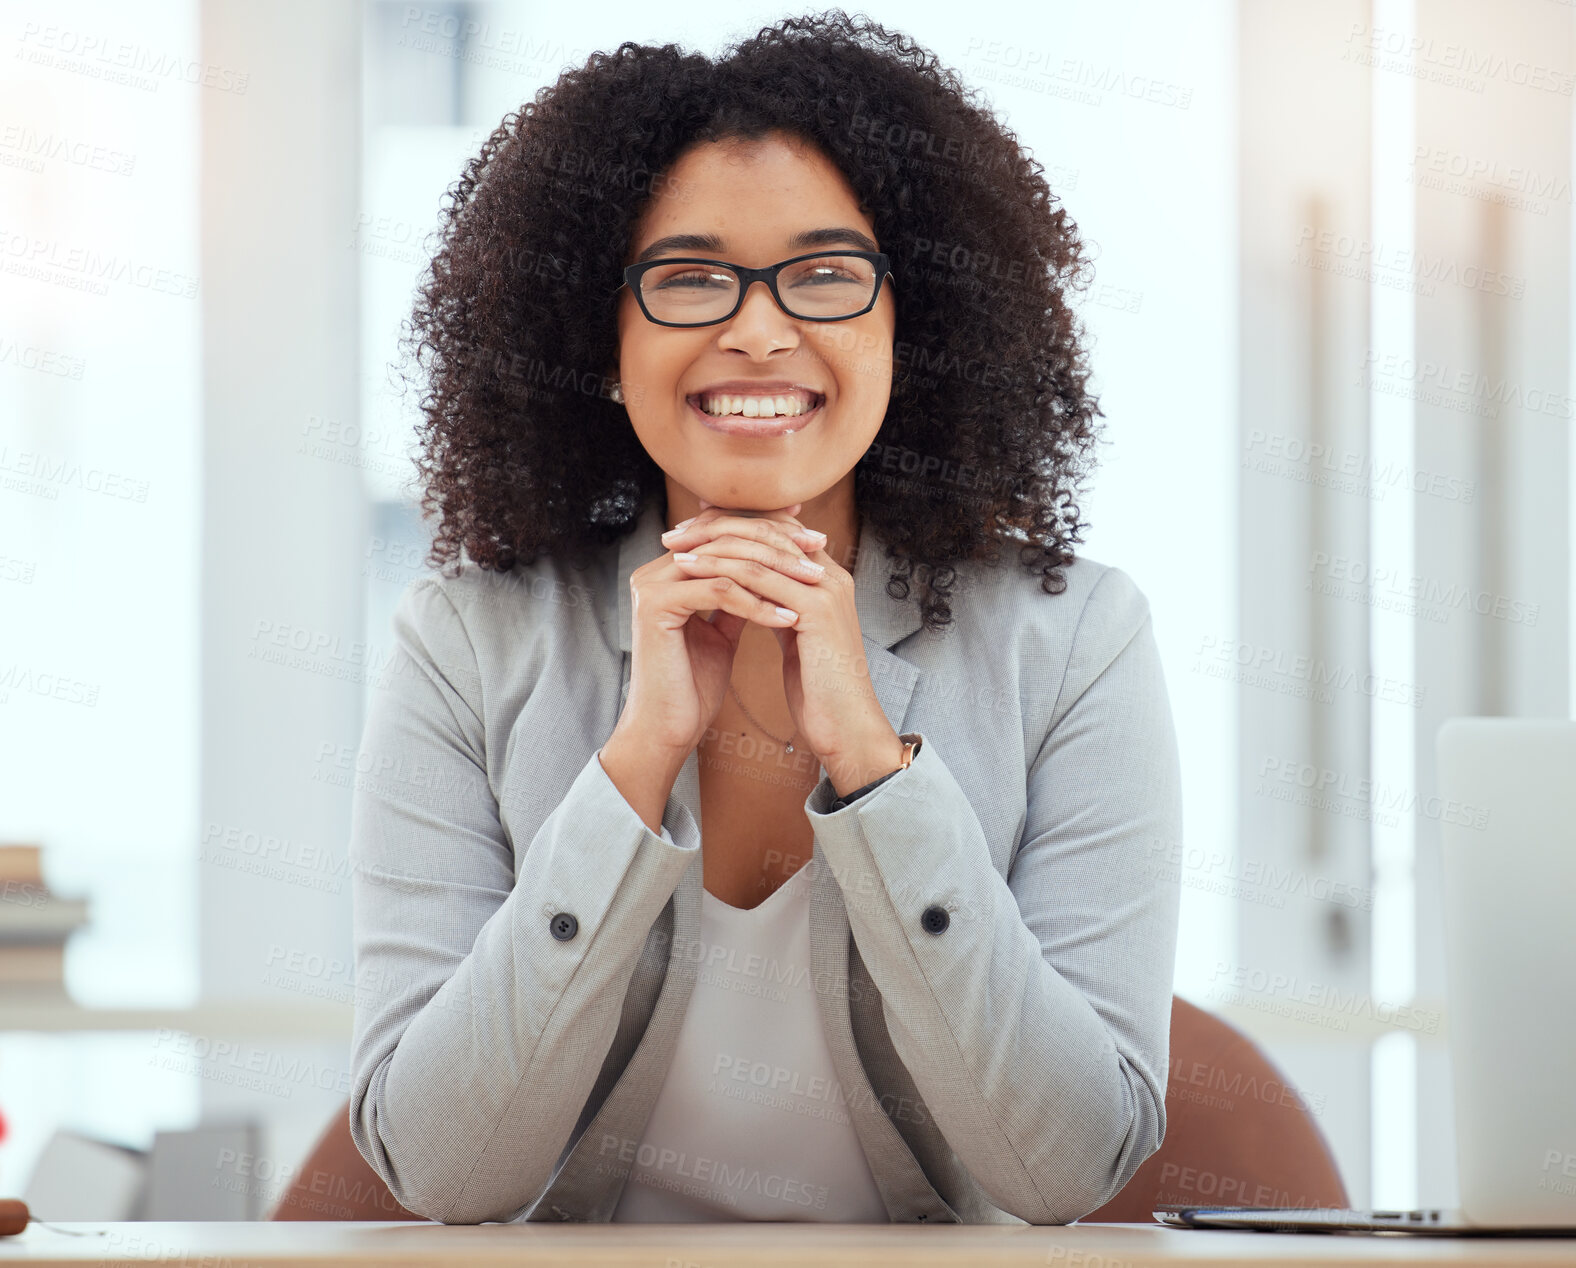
{"x":686,"y":555}
{"x":815,"y":534}
{"x":787,"y":614}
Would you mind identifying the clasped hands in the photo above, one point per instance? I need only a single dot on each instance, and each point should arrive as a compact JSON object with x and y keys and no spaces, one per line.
{"x":826,"y":679}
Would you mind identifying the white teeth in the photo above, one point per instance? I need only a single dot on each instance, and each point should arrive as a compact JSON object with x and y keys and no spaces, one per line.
{"x":753,"y":406}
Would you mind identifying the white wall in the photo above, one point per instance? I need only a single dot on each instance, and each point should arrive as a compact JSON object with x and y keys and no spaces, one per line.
{"x":101,"y":288}
{"x":284,"y":510}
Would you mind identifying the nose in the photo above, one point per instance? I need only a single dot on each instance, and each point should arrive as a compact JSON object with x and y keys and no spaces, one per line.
{"x":759,"y":322}
{"x":764,"y":295}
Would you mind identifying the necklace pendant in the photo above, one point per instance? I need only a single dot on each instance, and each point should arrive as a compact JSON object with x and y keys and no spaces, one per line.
{"x":789,"y":747}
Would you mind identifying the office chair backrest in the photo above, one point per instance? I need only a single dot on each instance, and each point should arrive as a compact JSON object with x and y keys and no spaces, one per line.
{"x":1237,"y":1134}
{"x":337,"y":1183}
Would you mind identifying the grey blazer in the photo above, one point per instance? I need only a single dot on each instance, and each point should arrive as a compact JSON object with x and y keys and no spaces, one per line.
{"x":993,"y":929}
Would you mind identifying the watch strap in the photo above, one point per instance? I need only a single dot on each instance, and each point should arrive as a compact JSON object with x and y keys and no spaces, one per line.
{"x":911,"y":745}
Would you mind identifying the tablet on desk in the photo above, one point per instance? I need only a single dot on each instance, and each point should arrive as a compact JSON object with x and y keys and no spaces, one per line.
{"x":1428,"y":1222}
{"x":1508,"y":871}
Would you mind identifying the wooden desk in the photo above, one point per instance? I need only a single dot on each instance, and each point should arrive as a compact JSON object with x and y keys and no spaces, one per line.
{"x":745,"y":1245}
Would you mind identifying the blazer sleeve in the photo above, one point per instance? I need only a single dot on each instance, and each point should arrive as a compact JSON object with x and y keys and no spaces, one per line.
{"x":1036,"y":1023}
{"x":479,"y":1031}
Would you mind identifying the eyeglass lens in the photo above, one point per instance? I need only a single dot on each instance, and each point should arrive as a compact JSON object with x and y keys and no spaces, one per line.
{"x":823,"y":286}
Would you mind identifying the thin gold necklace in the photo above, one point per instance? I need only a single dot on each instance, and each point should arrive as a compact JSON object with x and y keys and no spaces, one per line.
{"x":787,"y":744}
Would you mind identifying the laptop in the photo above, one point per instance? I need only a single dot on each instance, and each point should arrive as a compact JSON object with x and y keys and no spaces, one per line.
{"x":1507,"y":824}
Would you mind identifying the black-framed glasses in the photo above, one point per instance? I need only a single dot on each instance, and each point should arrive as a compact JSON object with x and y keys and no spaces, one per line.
{"x":821,"y":286}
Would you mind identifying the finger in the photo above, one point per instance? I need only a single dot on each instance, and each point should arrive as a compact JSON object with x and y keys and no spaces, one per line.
{"x":758,"y":578}
{"x":801,"y":536}
{"x":763,"y":529}
{"x":790,"y":515}
{"x":795,"y":564}
{"x":682,"y":599}
{"x":754,"y":528}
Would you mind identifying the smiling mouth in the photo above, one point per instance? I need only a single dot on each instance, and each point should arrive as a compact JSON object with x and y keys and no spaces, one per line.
{"x":740,"y":424}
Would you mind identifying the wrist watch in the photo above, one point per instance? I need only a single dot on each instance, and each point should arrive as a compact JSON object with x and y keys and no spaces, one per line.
{"x":912,"y":740}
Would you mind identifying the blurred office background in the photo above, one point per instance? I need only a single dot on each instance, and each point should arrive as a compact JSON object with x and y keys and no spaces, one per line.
{"x":1331,"y":332}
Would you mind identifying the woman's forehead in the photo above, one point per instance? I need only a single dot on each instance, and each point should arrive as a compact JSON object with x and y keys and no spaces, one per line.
{"x":769,"y":193}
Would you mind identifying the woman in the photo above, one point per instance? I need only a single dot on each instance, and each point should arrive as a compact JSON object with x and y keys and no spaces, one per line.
{"x":922,"y":968}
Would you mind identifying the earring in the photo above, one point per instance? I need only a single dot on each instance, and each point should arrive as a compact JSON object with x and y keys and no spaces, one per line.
{"x":617,"y":393}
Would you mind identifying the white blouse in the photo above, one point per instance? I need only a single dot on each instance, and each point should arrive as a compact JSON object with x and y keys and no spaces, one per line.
{"x":751,"y":1123}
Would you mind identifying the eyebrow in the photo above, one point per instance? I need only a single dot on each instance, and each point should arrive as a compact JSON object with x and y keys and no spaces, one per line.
{"x":839,"y":235}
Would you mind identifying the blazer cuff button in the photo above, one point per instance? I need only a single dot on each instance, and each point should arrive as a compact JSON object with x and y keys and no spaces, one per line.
{"x":564,"y":926}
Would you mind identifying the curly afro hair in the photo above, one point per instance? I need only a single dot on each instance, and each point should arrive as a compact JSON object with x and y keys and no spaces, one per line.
{"x":989,"y":426}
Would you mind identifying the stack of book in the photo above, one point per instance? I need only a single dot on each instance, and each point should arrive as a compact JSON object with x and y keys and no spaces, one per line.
{"x":34,"y":926}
